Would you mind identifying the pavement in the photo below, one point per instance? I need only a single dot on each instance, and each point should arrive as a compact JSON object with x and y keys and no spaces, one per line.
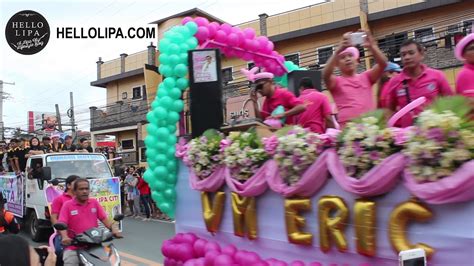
{"x":141,"y":245}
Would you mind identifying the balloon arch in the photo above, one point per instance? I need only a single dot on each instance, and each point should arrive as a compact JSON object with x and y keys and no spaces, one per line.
{"x":162,"y":170}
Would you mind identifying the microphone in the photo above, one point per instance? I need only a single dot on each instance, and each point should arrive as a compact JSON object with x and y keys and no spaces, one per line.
{"x":407,"y":91}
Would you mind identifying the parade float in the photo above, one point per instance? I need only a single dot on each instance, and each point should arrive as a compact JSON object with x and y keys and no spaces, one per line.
{"x":353,"y":197}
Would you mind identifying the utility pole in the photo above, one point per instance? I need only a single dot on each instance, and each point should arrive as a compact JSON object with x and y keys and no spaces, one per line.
{"x":364,"y":25}
{"x":58,"y":118}
{"x":70,"y":113}
{"x":2,"y":135}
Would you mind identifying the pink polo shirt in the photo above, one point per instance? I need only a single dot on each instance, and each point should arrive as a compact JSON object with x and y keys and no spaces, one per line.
{"x":81,"y":217}
{"x":430,"y":84}
{"x":317,"y":108}
{"x":465,"y":81}
{"x":280,"y":97}
{"x":353,"y":96}
{"x":59,"y":202}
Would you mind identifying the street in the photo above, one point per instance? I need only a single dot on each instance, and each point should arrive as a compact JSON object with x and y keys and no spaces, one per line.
{"x":141,"y":244}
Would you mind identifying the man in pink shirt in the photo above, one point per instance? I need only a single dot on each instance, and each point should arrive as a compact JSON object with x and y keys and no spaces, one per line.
{"x":80,"y":215}
{"x":465,"y":79}
{"x":353,"y":92}
{"x":416,"y":80}
{"x":318,"y":111}
{"x":274,"y":96}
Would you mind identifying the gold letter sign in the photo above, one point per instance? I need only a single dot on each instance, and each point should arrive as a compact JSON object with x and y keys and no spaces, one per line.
{"x":365,"y":226}
{"x":295,"y":222}
{"x":333,"y":216}
{"x":245,"y":216}
{"x":212,"y":216}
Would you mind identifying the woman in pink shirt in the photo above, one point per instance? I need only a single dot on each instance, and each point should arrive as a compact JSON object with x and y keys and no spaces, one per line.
{"x":465,"y":79}
{"x":352,"y":92}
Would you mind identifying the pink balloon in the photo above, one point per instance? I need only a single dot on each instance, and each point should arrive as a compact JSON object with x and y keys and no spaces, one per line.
{"x":189,"y":238}
{"x":297,"y":263}
{"x":262,"y":40}
{"x":186,"y":20}
{"x":249,"y":33}
{"x":185,"y":252}
{"x":315,"y":264}
{"x":269,"y":48}
{"x":227,"y":28}
{"x":200,"y":21}
{"x":221,"y":36}
{"x":223,"y":260}
{"x":233,"y":39}
{"x":240,"y":255}
{"x":251,"y":45}
{"x":251,"y":258}
{"x":202,"y":33}
{"x":229,"y":250}
{"x":210,"y":257}
{"x":247,"y":56}
{"x":212,"y":246}
{"x":178,"y":238}
{"x":212,"y":28}
{"x":169,"y":262}
{"x":199,"y":247}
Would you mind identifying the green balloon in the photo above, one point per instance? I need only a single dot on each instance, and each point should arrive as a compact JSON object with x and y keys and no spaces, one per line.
{"x":162,"y":92}
{"x":164,"y":59}
{"x":160,"y":112}
{"x":161,"y":159}
{"x":172,"y":128}
{"x":170,"y":153}
{"x":173,"y":49}
{"x":154,"y":104}
{"x":151,"y":153}
{"x":162,"y":132}
{"x":151,"y":164}
{"x":151,"y":129}
{"x":172,"y":139}
{"x":162,"y":123}
{"x":183,"y":58}
{"x":164,"y":206}
{"x":175,"y":93}
{"x":150,"y":140}
{"x":171,"y":165}
{"x":150,"y":117}
{"x":166,"y":70}
{"x":163,"y":46}
{"x":177,"y":38}
{"x":177,"y":106}
{"x":169,"y":82}
{"x":148,"y":175}
{"x":174,"y":59}
{"x":183,"y":47}
{"x":166,"y":102}
{"x":192,"y":43}
{"x":162,"y":146}
{"x":192,"y":26}
{"x":159,"y":185}
{"x":182,"y":83}
{"x":183,"y":30}
{"x":157,"y":197}
{"x":170,"y":193}
{"x":160,"y":172}
{"x":173,"y":117}
{"x":180,"y":70}
{"x":171,"y":178}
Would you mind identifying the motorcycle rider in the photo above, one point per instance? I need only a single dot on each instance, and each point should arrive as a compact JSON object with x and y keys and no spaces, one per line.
{"x":8,"y":222}
{"x":80,"y":215}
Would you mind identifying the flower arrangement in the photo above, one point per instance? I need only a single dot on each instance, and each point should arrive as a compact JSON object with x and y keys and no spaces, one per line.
{"x":442,"y":140}
{"x":295,"y":151}
{"x":365,"y":143}
{"x":243,"y":154}
{"x":203,"y":154}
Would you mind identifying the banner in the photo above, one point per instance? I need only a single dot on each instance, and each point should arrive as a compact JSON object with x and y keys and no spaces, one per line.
{"x":11,"y":187}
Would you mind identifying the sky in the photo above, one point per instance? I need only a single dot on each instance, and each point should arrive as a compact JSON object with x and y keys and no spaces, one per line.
{"x":69,"y":65}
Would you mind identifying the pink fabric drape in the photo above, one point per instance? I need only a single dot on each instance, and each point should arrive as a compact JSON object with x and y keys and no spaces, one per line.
{"x":311,"y":181}
{"x":254,"y":186}
{"x":458,"y":187}
{"x":209,"y":184}
{"x":379,"y":180}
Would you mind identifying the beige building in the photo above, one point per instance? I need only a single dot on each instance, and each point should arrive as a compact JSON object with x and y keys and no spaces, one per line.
{"x":307,"y":36}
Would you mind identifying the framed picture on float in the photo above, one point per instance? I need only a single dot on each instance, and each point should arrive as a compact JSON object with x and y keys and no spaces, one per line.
{"x":204,"y":65}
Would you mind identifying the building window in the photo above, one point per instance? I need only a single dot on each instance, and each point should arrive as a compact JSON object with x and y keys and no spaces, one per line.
{"x":127,"y":144}
{"x":467,"y":26}
{"x":143,"y":154}
{"x":124,"y":95}
{"x":390,"y":45}
{"x":452,"y":29}
{"x":137,"y":93}
{"x":324,"y":54}
{"x":227,"y":75}
{"x":425,"y":36}
{"x":295,"y":58}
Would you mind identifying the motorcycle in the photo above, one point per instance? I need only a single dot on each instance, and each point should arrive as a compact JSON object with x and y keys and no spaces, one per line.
{"x":92,"y":248}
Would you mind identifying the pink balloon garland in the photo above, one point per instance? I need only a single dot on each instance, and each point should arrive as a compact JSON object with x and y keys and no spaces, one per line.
{"x":189,"y":250}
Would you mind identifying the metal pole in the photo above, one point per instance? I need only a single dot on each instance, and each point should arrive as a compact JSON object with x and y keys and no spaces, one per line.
{"x":364,"y":24}
{"x":58,"y":118}
{"x":72,"y":118}
{"x":2,"y":135}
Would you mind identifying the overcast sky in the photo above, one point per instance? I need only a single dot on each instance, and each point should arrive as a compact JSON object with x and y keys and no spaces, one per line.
{"x":65,"y":65}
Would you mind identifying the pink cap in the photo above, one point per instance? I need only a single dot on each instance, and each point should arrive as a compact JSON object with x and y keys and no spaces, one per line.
{"x":251,"y":76}
{"x":351,"y":50}
{"x":462,"y":44}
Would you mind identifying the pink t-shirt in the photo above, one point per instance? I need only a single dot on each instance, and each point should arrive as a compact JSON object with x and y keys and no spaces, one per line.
{"x":81,"y":217}
{"x":317,"y":108}
{"x":429,"y":84}
{"x":353,"y":96}
{"x":59,"y":202}
{"x":280,"y":97}
{"x":465,"y":81}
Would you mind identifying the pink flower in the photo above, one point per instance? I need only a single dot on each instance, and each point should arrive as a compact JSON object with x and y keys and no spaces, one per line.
{"x":224,"y":144}
{"x":181,"y":148}
{"x":270,"y":144}
{"x":401,"y":135}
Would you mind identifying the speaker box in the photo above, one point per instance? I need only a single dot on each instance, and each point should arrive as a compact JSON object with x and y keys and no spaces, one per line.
{"x":205,"y":93}
{"x":294,"y":78}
